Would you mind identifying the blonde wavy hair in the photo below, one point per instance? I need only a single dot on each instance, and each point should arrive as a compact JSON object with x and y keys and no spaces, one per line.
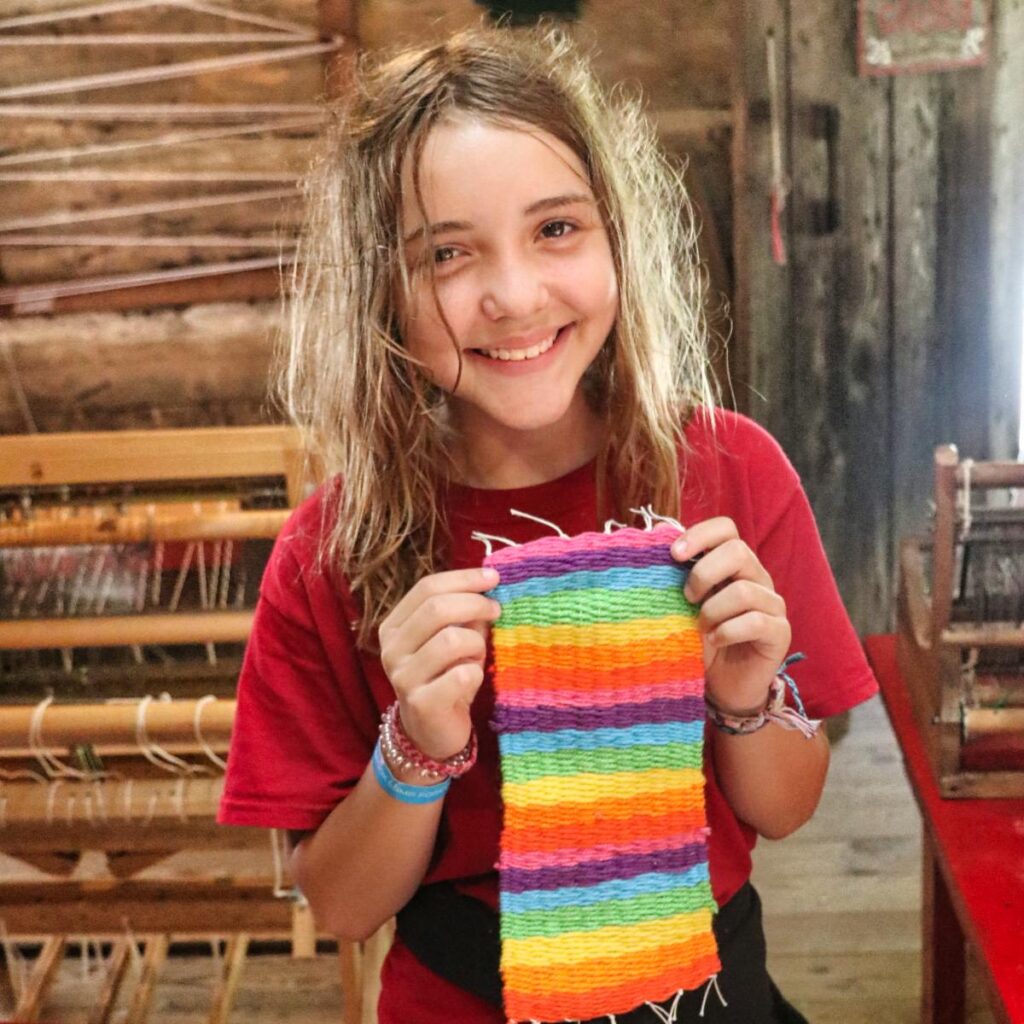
{"x":369,"y":414}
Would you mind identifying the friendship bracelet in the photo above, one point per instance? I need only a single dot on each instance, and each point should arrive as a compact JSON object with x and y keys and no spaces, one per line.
{"x":400,"y":751}
{"x":403,"y":791}
{"x":775,"y":709}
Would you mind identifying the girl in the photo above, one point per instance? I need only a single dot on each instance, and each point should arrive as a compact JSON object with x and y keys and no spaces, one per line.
{"x":499,"y":307}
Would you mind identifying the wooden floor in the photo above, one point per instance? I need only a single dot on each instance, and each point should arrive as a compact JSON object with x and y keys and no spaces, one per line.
{"x":842,"y":903}
{"x":842,"y":896}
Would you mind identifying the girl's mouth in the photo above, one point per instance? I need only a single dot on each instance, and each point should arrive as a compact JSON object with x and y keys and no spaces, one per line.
{"x":523,"y":355}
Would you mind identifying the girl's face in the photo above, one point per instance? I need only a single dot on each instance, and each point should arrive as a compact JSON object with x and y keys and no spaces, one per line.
{"x":525,"y":277}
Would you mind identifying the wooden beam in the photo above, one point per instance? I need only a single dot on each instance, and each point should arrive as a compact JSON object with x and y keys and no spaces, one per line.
{"x":103,"y":725}
{"x":211,"y":453}
{"x":99,"y":906}
{"x":123,"y":630}
{"x":125,"y":838}
{"x":192,"y":286}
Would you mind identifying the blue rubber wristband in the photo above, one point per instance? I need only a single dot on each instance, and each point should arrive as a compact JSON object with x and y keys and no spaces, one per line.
{"x":402,"y":790}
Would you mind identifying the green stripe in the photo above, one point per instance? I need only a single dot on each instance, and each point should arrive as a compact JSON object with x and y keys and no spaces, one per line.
{"x":601,"y":761}
{"x":582,"y":607}
{"x":647,"y":907}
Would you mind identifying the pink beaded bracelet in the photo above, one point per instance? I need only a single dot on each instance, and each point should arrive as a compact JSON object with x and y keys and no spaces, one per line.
{"x":401,"y":753}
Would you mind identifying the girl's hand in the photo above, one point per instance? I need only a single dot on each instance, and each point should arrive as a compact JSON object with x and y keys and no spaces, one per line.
{"x":743,"y":621}
{"x":433,"y":646}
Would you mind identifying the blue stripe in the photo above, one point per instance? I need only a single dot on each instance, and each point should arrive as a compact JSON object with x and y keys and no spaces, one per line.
{"x":533,"y":742}
{"x":617,"y":889}
{"x":656,"y":577}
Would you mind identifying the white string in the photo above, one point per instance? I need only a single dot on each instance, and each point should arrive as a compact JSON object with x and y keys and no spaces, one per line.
{"x":152,"y":751}
{"x":965,"y":498}
{"x":609,"y":523}
{"x":713,"y":980}
{"x":133,"y":948}
{"x":537,"y":519}
{"x":50,"y":763}
{"x":200,"y":738}
{"x":670,"y":1015}
{"x":165,"y":72}
{"x":487,"y":539}
{"x":667,"y":519}
{"x":276,"y":851}
{"x":644,"y":511}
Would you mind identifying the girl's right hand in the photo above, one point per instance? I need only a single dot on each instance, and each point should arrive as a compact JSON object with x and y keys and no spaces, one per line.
{"x":433,"y":646}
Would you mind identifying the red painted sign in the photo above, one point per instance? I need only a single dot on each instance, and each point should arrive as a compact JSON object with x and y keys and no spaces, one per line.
{"x":902,"y":36}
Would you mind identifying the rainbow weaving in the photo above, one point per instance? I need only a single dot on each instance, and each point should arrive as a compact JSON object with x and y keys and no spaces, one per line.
{"x":605,"y":898}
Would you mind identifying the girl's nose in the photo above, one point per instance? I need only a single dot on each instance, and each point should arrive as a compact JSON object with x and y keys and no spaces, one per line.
{"x":513,"y":289}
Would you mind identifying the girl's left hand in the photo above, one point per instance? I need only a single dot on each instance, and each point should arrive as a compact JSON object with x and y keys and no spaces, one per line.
{"x":742,"y":619}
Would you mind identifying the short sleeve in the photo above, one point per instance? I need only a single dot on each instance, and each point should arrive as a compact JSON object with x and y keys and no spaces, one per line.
{"x":835,"y":675}
{"x":741,"y":471}
{"x":305,"y":721}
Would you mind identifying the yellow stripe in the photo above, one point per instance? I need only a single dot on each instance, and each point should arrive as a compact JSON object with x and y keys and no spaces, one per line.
{"x":682,"y":626}
{"x":578,"y":947}
{"x":587,"y":788}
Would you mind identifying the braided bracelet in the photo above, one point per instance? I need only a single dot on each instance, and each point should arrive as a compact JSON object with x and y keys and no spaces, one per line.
{"x":775,"y":709}
{"x":401,"y":753}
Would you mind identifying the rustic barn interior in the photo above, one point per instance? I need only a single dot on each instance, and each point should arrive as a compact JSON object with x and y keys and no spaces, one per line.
{"x":149,"y":160}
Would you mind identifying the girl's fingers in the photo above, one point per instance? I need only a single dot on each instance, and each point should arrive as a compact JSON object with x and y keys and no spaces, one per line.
{"x":459,"y":684}
{"x":447,"y":647}
{"x":438,"y":612}
{"x":703,"y":536}
{"x":467,"y":581}
{"x":731,"y":559}
{"x":768,"y":634}
{"x":736,"y":599}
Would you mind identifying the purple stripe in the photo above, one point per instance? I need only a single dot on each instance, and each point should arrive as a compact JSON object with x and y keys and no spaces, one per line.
{"x":593,"y":872}
{"x":607,"y":558}
{"x":548,"y":718}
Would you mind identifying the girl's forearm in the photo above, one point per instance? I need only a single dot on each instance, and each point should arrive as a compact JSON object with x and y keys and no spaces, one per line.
{"x":772,"y":778}
{"x":366,"y":860}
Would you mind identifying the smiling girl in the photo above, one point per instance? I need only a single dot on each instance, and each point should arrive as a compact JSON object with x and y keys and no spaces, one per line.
{"x":499,"y":307}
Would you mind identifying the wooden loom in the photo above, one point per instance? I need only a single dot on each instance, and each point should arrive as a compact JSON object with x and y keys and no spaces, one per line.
{"x":961,"y":627}
{"x":129,"y":566}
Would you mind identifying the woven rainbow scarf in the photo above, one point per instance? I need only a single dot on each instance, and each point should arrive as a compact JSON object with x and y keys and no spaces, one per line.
{"x":605,"y":898}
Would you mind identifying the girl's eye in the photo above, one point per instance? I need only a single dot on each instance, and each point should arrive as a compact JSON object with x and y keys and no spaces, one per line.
{"x":444,"y":254}
{"x":557,"y":229}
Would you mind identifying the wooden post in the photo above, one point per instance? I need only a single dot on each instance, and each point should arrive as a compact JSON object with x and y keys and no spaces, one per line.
{"x":231,"y":973}
{"x":104,"y":1005}
{"x":153,"y":961}
{"x":44,"y":971}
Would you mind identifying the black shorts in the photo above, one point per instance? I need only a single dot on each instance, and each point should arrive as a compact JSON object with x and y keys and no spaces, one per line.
{"x":458,"y":938}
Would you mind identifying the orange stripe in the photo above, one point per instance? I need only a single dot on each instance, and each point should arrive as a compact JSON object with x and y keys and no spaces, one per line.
{"x":680,"y":649}
{"x":555,"y":833}
{"x":589,"y":679}
{"x":662,"y":802}
{"x":590,"y":974}
{"x":611,"y":998}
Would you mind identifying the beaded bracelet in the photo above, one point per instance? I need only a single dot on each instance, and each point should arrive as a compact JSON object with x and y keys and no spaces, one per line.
{"x":775,"y":709}
{"x":403,"y":791}
{"x":400,"y":751}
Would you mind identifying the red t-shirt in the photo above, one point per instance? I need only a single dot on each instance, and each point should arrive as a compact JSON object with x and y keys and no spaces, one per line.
{"x":309,"y":702}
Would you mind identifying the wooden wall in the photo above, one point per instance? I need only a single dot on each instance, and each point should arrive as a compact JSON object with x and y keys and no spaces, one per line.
{"x":895,"y":330}
{"x":901,"y":328}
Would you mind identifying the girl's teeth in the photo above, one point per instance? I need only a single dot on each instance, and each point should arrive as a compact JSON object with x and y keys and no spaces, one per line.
{"x":520,"y":354}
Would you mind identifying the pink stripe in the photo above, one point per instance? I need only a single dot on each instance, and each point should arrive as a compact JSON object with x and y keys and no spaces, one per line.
{"x":602,"y":698}
{"x":659,"y":537}
{"x":601,"y":851}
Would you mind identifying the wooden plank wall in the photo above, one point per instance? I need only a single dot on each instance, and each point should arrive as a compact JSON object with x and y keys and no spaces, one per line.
{"x":899,"y":327}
